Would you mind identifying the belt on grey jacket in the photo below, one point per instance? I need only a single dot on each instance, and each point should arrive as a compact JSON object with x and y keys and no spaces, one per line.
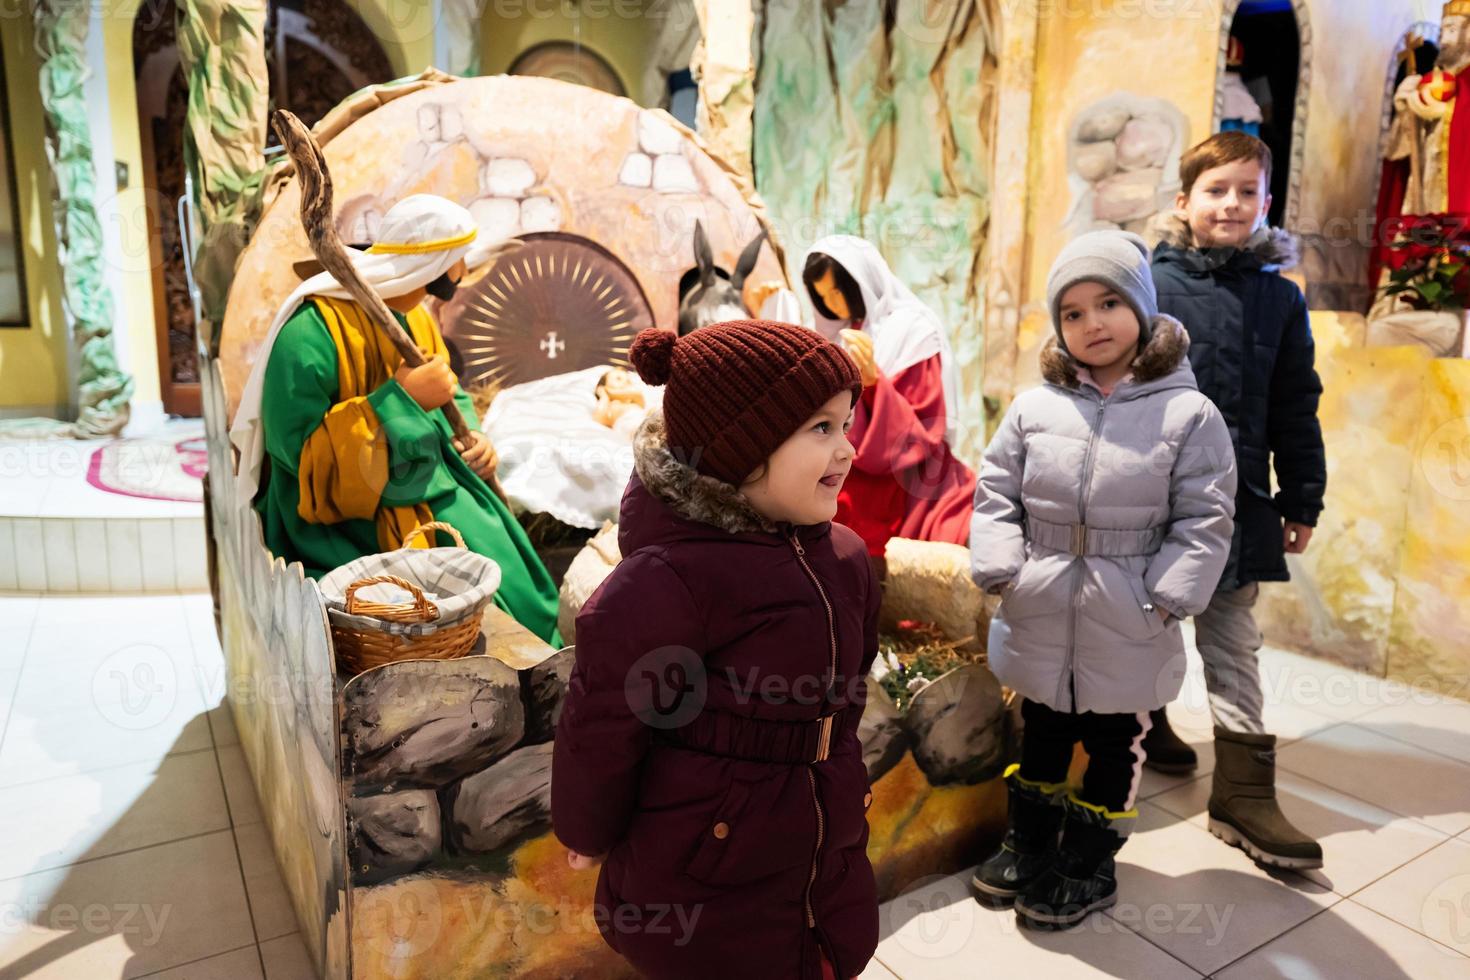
{"x":1081,"y":540}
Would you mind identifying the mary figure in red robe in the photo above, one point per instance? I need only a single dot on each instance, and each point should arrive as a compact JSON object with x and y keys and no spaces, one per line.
{"x":905,"y":481}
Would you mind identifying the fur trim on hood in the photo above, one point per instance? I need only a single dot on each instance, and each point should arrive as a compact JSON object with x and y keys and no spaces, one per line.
{"x":1277,"y":248}
{"x":690,"y":493}
{"x":1166,"y":350}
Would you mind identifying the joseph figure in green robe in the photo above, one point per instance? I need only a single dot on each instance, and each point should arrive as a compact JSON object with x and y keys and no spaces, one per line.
{"x":351,"y":449}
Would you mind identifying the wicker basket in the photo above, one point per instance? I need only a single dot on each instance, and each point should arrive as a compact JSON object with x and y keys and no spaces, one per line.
{"x":371,"y":634}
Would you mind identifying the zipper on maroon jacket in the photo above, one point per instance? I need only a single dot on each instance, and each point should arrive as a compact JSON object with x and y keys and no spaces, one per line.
{"x":831,"y":678}
{"x":811,"y":915}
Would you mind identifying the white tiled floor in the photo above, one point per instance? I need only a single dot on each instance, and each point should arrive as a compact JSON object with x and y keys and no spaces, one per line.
{"x":1374,"y":768}
{"x":133,"y":844}
{"x":132,"y":840}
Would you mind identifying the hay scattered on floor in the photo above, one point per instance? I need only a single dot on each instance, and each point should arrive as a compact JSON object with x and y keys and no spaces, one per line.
{"x":921,"y":652}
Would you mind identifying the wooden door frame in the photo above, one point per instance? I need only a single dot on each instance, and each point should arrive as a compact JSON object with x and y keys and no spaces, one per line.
{"x":154,"y":78}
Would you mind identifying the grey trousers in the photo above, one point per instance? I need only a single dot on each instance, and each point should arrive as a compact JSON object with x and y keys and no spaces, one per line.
{"x":1229,"y":641}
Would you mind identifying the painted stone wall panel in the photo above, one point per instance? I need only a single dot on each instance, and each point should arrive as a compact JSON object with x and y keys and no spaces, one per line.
{"x":1430,"y":641}
{"x":1341,"y":597}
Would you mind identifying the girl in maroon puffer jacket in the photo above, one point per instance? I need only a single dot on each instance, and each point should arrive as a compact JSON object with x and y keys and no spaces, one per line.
{"x":707,"y":754}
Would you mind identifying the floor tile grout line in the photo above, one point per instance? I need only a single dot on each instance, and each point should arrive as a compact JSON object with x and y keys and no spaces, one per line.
{"x":1387,"y":809}
{"x":127,"y":850}
{"x":199,"y":680}
{"x":109,"y":768}
{"x":234,"y":831}
{"x":1343,"y":896}
{"x":879,"y":960}
{"x":77,"y":553}
{"x":1285,"y":932}
{"x":1165,"y":950}
{"x":1295,"y":875}
{"x":117,"y":854}
{"x":1191,"y":966}
{"x":1394,"y":871}
{"x":1422,"y":748}
{"x":1154,"y":798}
{"x":45,"y":562}
{"x":1389,"y":918}
{"x":240,"y":861}
{"x":25,"y":656}
{"x":1404,"y":816}
{"x":20,"y":672}
{"x":196,"y":961}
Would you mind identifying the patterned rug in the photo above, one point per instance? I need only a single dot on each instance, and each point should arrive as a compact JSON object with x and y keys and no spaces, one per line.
{"x":160,"y":469}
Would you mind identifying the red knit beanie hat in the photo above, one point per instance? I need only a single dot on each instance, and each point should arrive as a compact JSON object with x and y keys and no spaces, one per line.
{"x":736,"y":391}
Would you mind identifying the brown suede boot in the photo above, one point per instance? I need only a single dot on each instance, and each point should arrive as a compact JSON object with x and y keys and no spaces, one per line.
{"x":1243,"y":808}
{"x":1165,"y":751}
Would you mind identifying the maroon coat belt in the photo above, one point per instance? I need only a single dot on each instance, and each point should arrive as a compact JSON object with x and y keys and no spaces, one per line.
{"x":732,"y":736}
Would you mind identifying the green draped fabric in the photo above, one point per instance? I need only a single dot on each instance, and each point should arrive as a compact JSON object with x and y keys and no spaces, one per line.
{"x":103,"y":388}
{"x":876,"y":119}
{"x":222,"y":52}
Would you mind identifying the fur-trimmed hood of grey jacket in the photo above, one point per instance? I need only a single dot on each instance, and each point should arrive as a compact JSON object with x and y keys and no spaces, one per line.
{"x":1098,"y":513}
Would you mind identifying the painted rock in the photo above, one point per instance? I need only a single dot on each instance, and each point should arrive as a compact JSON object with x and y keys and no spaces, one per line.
{"x":882,"y":733}
{"x":393,"y":833}
{"x":508,"y":803}
{"x":1101,"y":124}
{"x":1144,"y":143}
{"x":1126,"y":196}
{"x":424,"y":724}
{"x":546,"y":689}
{"x":958,"y":727}
{"x":1094,"y":161}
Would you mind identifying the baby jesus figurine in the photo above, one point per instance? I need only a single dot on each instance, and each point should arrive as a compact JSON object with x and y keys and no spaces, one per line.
{"x":620,"y":404}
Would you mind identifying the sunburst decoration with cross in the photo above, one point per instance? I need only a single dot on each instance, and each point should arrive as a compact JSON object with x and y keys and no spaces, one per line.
{"x":560,"y":304}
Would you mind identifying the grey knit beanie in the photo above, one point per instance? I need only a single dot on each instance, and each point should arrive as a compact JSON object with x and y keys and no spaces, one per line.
{"x":1117,"y":259}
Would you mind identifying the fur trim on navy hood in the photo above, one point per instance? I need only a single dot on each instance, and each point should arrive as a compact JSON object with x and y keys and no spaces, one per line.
{"x":1271,"y":249}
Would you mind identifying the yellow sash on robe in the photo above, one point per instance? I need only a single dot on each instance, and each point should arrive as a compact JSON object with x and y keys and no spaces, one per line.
{"x":344,"y":463}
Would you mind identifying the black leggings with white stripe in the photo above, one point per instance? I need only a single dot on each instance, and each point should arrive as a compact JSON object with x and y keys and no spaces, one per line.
{"x":1114,"y":745}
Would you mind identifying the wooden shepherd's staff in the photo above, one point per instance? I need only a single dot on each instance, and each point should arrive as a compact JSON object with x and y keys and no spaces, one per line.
{"x":326,"y":245}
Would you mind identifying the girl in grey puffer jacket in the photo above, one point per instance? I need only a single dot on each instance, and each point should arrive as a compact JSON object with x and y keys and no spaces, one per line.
{"x":1103,"y":516}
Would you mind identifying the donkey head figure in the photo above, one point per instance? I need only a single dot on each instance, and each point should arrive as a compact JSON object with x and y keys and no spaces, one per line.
{"x":709,"y":294}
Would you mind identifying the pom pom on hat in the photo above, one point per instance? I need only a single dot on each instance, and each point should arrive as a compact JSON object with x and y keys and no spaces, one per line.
{"x":652,"y":355}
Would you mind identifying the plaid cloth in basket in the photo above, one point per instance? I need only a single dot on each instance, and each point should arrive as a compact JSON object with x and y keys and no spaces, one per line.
{"x":457,"y":581}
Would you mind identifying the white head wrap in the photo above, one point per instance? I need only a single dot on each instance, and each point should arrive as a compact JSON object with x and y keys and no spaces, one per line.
{"x":904,"y":330}
{"x":421,"y":238}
